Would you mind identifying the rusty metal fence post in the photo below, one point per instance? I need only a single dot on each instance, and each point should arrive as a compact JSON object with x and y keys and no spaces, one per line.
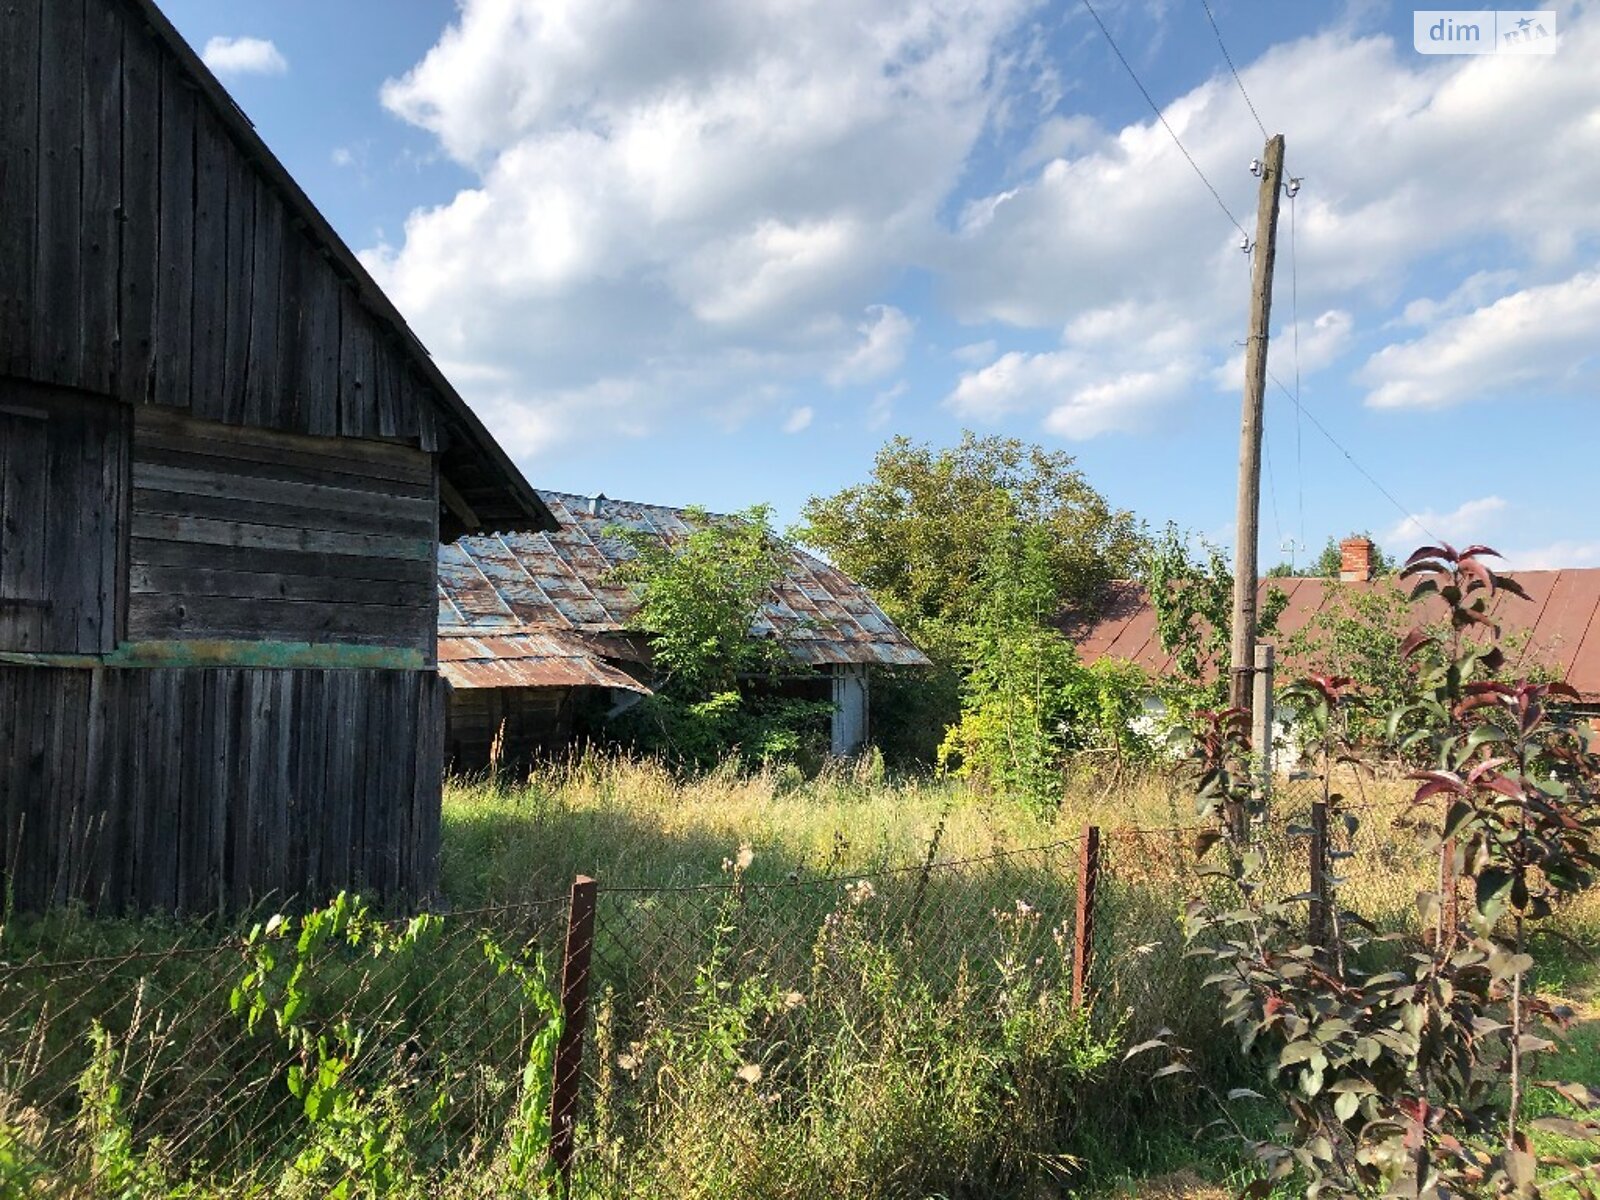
{"x":1083,"y":932}
{"x":1317,"y":909}
{"x":568,"y":1070}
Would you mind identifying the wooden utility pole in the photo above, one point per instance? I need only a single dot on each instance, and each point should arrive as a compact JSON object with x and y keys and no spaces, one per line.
{"x":1245,"y":567}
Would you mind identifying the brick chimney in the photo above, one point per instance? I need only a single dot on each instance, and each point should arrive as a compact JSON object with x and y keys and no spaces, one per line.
{"x":1355,"y":560}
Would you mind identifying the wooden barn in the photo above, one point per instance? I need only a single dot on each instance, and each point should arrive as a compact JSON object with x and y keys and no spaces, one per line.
{"x":531,"y":625}
{"x":225,"y":469}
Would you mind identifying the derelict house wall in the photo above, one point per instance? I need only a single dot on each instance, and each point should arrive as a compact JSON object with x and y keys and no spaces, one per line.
{"x":232,"y":696}
{"x":183,"y":790}
{"x":145,"y":257}
{"x":527,"y":722}
{"x":250,"y":534}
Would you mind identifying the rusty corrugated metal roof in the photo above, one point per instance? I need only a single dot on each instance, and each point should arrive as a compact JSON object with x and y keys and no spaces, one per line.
{"x":1558,"y":626}
{"x":560,"y":582}
{"x":529,"y":660}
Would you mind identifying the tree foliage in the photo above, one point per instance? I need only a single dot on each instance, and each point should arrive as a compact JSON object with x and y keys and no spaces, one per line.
{"x":1402,"y":1060}
{"x":699,"y":601}
{"x":919,"y":533}
{"x":1192,"y":595}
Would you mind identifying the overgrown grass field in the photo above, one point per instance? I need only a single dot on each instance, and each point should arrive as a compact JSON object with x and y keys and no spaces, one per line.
{"x":789,"y":1002}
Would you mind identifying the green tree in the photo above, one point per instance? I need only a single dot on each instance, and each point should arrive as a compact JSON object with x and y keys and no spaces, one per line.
{"x":918,"y":533}
{"x":1193,"y":600}
{"x":922,"y":533}
{"x":699,"y":600}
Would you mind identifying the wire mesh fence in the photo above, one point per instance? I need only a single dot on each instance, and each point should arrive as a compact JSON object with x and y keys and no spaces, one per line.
{"x":315,"y":1052}
{"x":333,"y":1047}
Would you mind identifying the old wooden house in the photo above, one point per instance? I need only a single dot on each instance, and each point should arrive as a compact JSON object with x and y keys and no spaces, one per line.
{"x":225,"y":468}
{"x":532,"y":625}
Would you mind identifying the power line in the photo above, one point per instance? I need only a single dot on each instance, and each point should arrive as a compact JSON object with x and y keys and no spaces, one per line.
{"x":1272,"y":486}
{"x":1172,"y":133}
{"x":1229,"y":58}
{"x":1337,"y":445}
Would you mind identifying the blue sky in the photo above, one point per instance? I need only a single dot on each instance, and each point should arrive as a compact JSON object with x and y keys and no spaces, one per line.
{"x":718,"y":251}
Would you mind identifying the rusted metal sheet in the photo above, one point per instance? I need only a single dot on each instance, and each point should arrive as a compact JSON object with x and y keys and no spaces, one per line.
{"x":1557,"y":627}
{"x":529,"y":660}
{"x":564,"y":581}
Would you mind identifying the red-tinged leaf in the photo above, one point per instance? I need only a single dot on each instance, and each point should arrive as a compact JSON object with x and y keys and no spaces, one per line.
{"x":1562,"y":688}
{"x":1508,"y":584}
{"x":1506,"y":786}
{"x":1473,"y":570}
{"x":1422,"y":552}
{"x":1415,"y":640}
{"x":1477,"y":551}
{"x":1437,"y":788}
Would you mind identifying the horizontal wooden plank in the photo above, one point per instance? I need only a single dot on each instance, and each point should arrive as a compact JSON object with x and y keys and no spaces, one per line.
{"x":286,"y":562}
{"x":227,"y":484}
{"x":399,"y":524}
{"x":221,"y":652}
{"x":206,"y":531}
{"x":209,"y":617}
{"x":169,"y":427}
{"x":275,"y":585}
{"x":275,"y":466}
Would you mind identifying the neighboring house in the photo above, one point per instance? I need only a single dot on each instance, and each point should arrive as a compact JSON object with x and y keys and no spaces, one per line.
{"x":1556,"y":628}
{"x":225,"y":467}
{"x":530,"y":624}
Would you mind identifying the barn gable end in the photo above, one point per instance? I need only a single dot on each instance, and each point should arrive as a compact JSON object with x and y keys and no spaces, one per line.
{"x":225,"y":467}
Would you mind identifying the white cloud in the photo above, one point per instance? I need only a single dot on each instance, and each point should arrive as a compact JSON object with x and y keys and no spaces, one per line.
{"x":698,"y":201}
{"x":799,"y":419}
{"x":1473,"y":521}
{"x":1322,"y":341}
{"x":974,"y":353}
{"x":1555,"y":556}
{"x":243,"y":56}
{"x":881,"y":409}
{"x":885,"y":336}
{"x":713,"y":191}
{"x":1538,"y":338}
{"x":1389,"y":144}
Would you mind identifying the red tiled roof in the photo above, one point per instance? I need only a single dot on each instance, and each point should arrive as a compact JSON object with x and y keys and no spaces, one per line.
{"x":1560,"y":621}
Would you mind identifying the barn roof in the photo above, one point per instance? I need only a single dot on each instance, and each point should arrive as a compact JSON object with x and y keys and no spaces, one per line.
{"x":483,"y":487}
{"x":1558,"y":626}
{"x":559,"y":584}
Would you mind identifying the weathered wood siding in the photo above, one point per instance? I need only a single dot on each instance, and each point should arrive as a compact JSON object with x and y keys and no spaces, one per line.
{"x":144,"y":256}
{"x":244,"y":533}
{"x":527,"y":722}
{"x":63,"y":465}
{"x":190,"y":790}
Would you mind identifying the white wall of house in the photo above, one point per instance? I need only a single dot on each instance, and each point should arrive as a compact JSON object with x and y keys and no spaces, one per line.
{"x":851,"y":690}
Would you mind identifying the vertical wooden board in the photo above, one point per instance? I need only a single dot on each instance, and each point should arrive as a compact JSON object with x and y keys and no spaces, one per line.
{"x":334,"y":823}
{"x":305,"y":827}
{"x":387,"y":729}
{"x":176,"y":239}
{"x":57,"y":271}
{"x":95,"y":529}
{"x":19,"y":180}
{"x":115,"y":502}
{"x":293,"y":261}
{"x":218,"y":748}
{"x":99,"y":834}
{"x":212,"y":154}
{"x":138,"y":267}
{"x":405,"y":398}
{"x":100,"y":219}
{"x":316,"y":382}
{"x":62,"y":798}
{"x":387,"y":371}
{"x":35,"y":860}
{"x":266,"y":402}
{"x":9,"y":769}
{"x":238,"y":284}
{"x":164,"y":779}
{"x":356,"y":416}
{"x":275,"y":832}
{"x":429,"y":437}
{"x":192,"y":787}
{"x":63,"y":471}
{"x":25,"y":510}
{"x":428,"y":788}
{"x":239,"y":788}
